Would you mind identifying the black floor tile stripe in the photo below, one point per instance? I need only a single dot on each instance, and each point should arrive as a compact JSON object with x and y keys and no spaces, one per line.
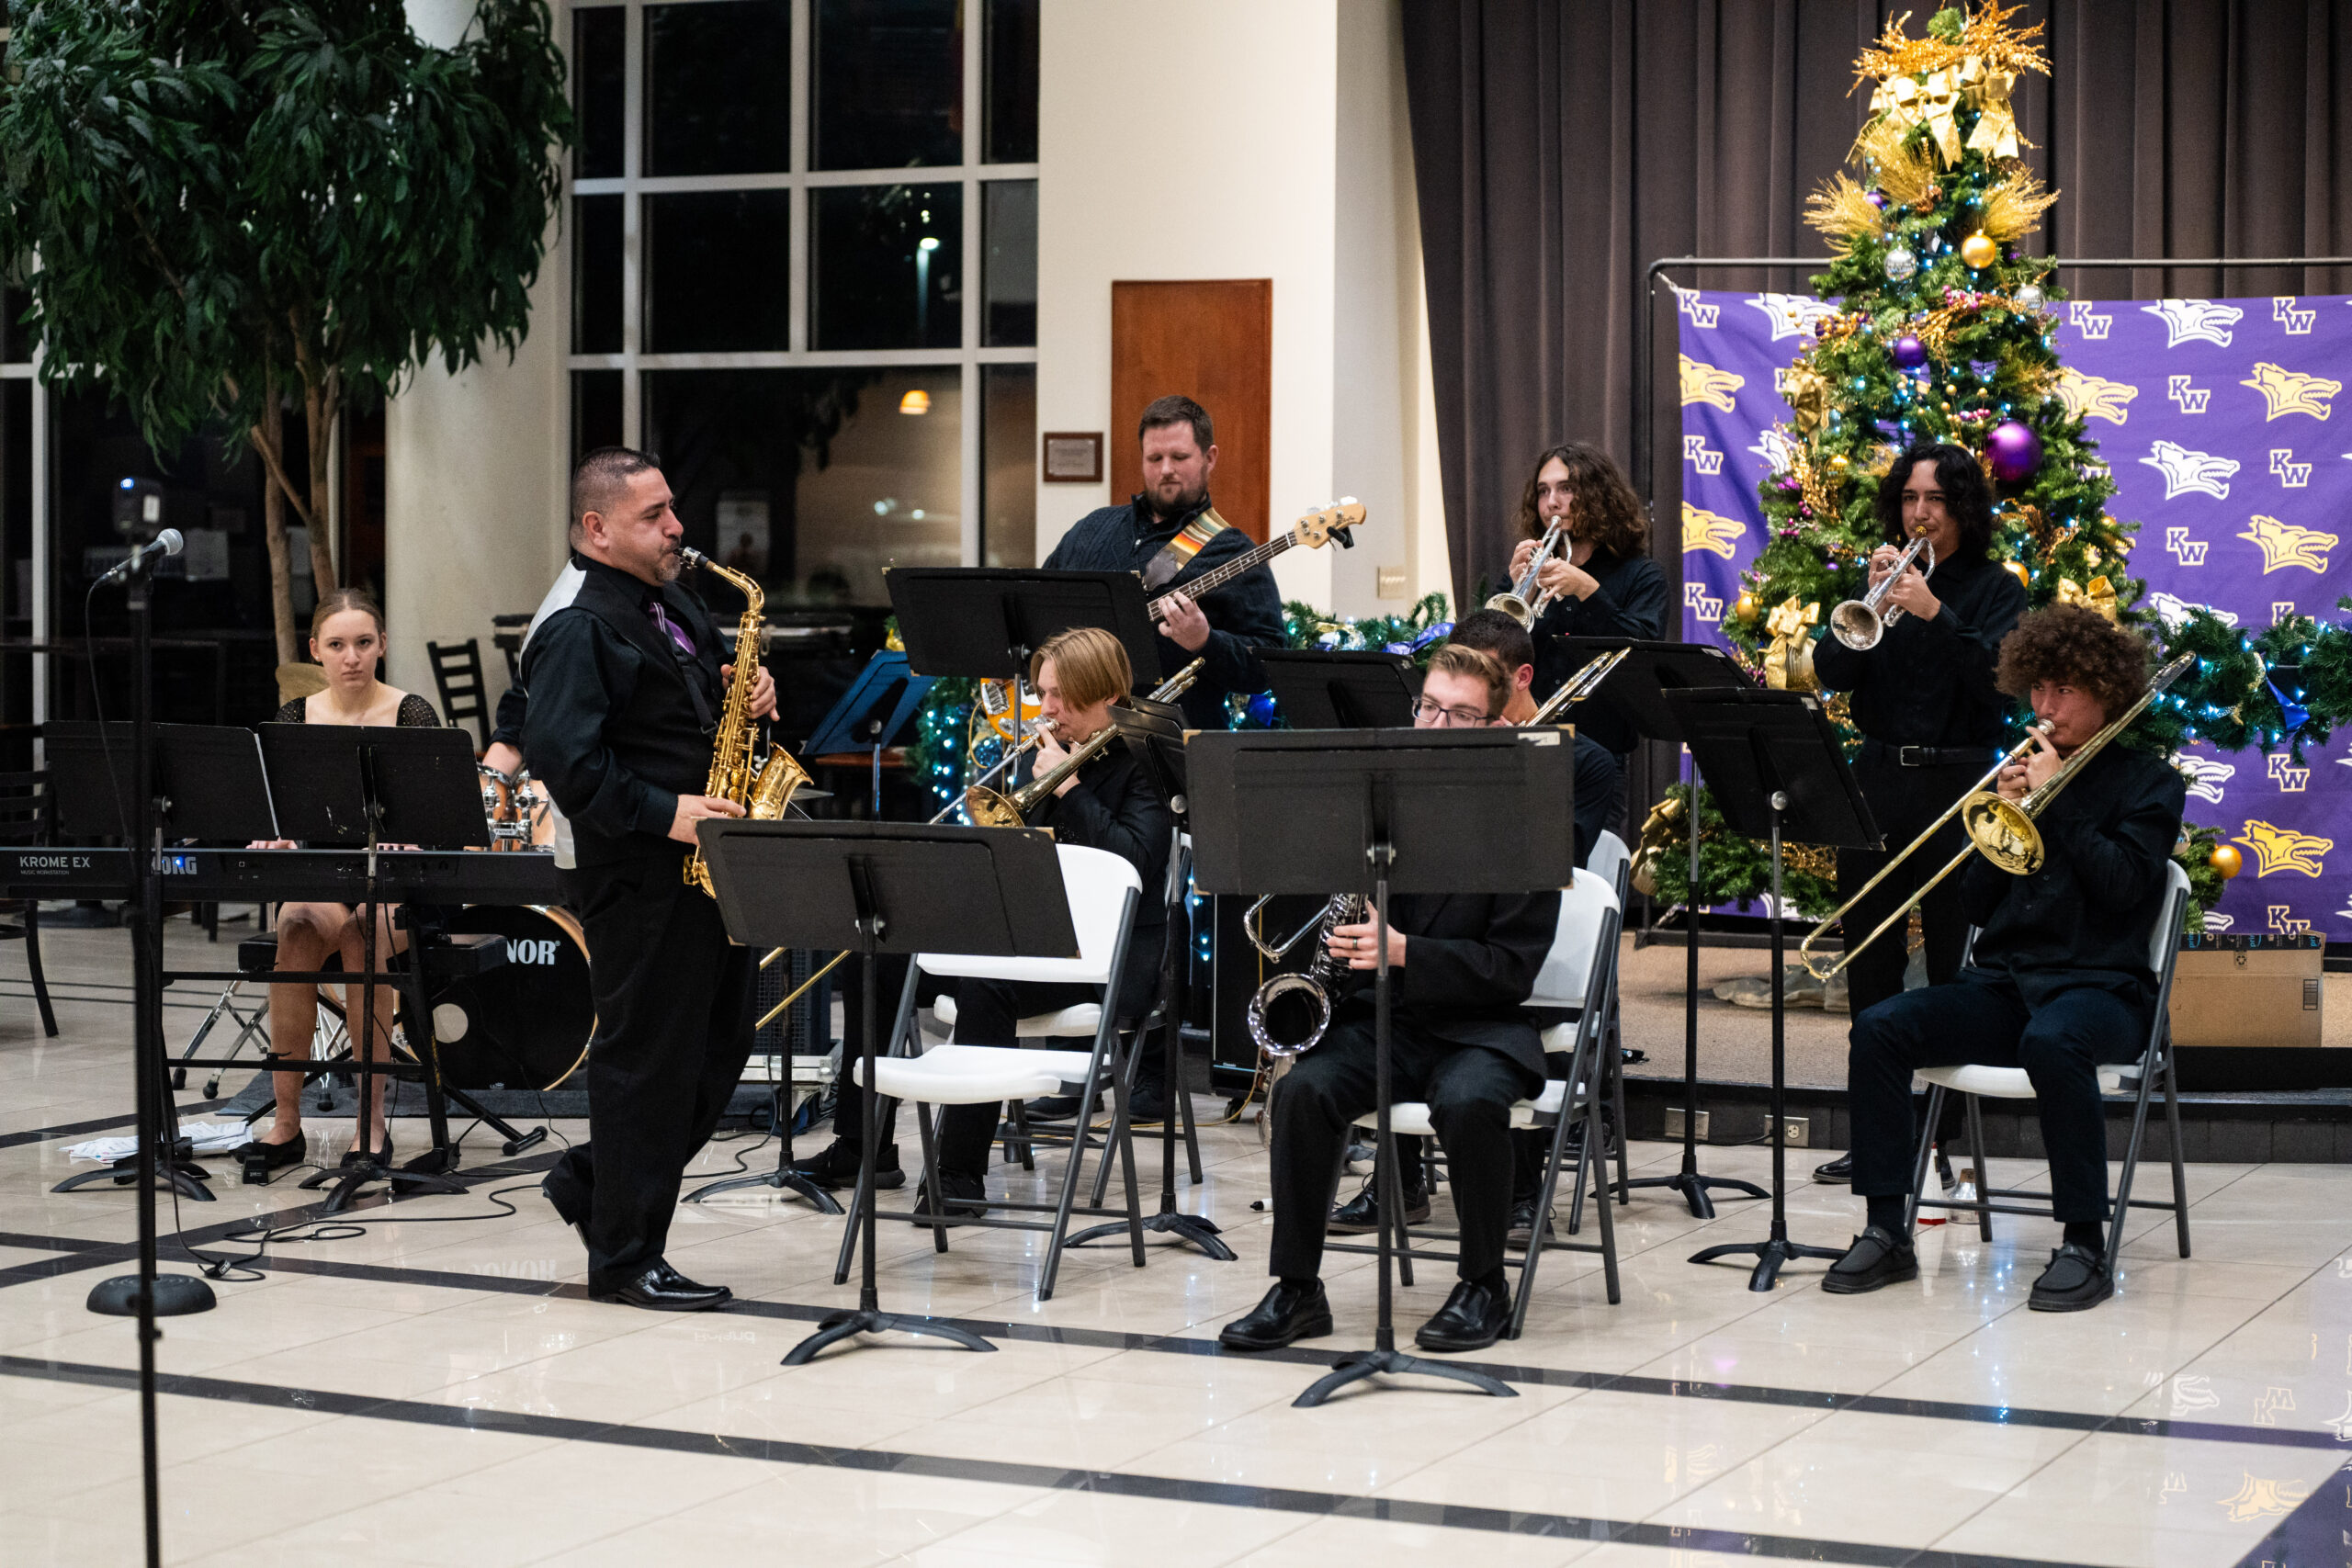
{"x":1109,"y":1482}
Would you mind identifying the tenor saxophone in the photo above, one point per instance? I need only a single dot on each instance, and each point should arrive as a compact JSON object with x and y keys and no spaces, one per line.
{"x":762,"y":785}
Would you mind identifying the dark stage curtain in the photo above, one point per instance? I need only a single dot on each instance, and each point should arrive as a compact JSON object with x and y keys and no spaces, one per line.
{"x":1560,"y":146}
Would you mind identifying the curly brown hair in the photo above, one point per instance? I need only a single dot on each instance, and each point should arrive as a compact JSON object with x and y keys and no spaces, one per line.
{"x":2080,"y":647}
{"x":1605,"y":511}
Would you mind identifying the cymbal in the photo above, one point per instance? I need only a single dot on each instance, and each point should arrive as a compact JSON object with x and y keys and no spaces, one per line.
{"x":299,"y":679}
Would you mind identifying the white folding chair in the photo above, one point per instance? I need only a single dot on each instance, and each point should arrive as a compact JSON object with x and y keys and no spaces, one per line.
{"x":1578,"y":973}
{"x":1102,"y":890}
{"x":1612,"y":862}
{"x":1979,"y":1083}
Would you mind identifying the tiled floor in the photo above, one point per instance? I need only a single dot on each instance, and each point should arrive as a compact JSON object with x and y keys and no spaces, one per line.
{"x":442,"y":1392}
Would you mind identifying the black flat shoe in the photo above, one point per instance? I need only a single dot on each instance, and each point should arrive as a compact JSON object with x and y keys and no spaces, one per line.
{"x":1147,"y":1107}
{"x":2077,"y":1277}
{"x":258,"y":1160}
{"x":383,"y":1155}
{"x":1057,"y":1108}
{"x":1523,"y":1223}
{"x":1875,"y":1260}
{"x":1359,"y":1215}
{"x":1838,"y":1170}
{"x":1288,"y":1312}
{"x":659,"y":1288}
{"x":964,"y":1194}
{"x":834,"y":1167}
{"x":1472,"y":1318}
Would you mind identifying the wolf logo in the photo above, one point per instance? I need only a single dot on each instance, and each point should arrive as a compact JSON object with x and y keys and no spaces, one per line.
{"x":2284,"y":923}
{"x":2200,"y":319}
{"x":2265,"y":1497}
{"x":2290,"y":779}
{"x":1705,"y":384}
{"x":2093,"y":326}
{"x":2189,"y":399}
{"x":2095,"y":397}
{"x":1702,"y":315}
{"x":2206,"y":776}
{"x":2342,"y":1425}
{"x":2192,"y":1393}
{"x":1696,"y":451}
{"x":2185,"y":550}
{"x":2288,"y":544}
{"x":1706,"y":530}
{"x":2291,"y":391}
{"x":2215,"y":921}
{"x":2184,"y":469}
{"x":2173,"y":610}
{"x":2291,"y":475}
{"x":1774,"y":445}
{"x":1696,"y":600}
{"x":1791,"y":315}
{"x":2283,"y":849}
{"x":2298,"y":324}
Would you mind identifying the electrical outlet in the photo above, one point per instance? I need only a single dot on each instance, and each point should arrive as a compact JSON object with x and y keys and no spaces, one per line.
{"x":1389,"y":583}
{"x":1674,"y":1114}
{"x":1795,"y":1132}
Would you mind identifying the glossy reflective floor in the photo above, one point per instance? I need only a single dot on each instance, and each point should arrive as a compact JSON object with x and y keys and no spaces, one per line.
{"x":437,"y":1388}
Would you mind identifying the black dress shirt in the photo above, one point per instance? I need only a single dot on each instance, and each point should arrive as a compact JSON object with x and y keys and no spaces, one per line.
{"x":1471,"y":960}
{"x":1631,"y":602}
{"x":1598,"y":778}
{"x":1930,"y":682}
{"x":2083,"y":918}
{"x":1243,"y":615}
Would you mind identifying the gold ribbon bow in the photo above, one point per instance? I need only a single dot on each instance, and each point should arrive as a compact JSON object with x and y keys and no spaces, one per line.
{"x":2098,"y":596}
{"x":1788,"y":663}
{"x":1931,"y":101}
{"x":1997,"y":125}
{"x":1808,"y":396}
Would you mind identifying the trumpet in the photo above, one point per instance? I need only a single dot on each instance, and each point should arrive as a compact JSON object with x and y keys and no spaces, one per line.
{"x":1860,"y":623}
{"x":1523,"y":604}
{"x":1999,"y":828}
{"x":990,"y":809}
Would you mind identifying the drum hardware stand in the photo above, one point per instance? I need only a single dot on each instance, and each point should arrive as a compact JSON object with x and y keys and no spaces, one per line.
{"x":249,"y":1024}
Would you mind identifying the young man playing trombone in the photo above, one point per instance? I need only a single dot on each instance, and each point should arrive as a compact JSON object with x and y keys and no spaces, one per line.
{"x":2059,"y":980}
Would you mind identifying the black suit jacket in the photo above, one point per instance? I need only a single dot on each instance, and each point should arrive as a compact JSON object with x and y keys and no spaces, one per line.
{"x":1471,"y":961}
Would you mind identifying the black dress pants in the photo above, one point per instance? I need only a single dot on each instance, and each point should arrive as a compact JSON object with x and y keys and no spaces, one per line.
{"x":1469,"y":1091}
{"x":674,"y":1029}
{"x":1982,"y":1019}
{"x":1904,"y":801}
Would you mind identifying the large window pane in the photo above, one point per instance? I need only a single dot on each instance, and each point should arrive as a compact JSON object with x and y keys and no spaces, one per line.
{"x":1010,"y":72}
{"x":599,"y":66}
{"x":595,"y":274}
{"x":717,"y":98}
{"x":813,"y":481}
{"x":714,"y":268}
{"x":1008,"y":464}
{"x":596,"y":410}
{"x":1009,"y":276}
{"x":886,"y":269}
{"x":16,"y":587}
{"x":889,"y":84}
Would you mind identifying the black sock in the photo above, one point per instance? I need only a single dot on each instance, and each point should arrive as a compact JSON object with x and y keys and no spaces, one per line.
{"x":1309,"y":1282}
{"x":1496,"y":1281}
{"x":1886,"y":1213}
{"x":2086,"y":1234}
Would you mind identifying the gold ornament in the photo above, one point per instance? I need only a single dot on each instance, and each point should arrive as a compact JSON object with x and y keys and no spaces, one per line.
{"x":1838,"y":462}
{"x":2226,"y":860}
{"x":1808,"y":396}
{"x":2017,"y":569}
{"x":2100,"y":596}
{"x":1745,"y":607}
{"x":1978,"y":251}
{"x":1988,"y":37}
{"x":2091,"y":555}
{"x":1788,"y":663}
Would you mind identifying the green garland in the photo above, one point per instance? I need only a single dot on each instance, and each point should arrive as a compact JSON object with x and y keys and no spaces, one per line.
{"x":1733,"y":869}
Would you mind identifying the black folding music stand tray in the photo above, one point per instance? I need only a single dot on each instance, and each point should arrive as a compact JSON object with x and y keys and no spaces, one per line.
{"x":1635,"y":693}
{"x":1396,"y":811}
{"x":1341,"y":689}
{"x":1774,"y":763}
{"x":368,"y":785}
{"x":873,"y":712}
{"x":985,"y":622}
{"x":878,"y":887}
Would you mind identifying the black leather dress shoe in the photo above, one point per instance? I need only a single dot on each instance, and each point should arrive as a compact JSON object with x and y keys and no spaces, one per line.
{"x":834,"y":1167}
{"x":1472,"y":1318}
{"x":659,"y":1288}
{"x":2077,"y":1277}
{"x":1838,"y":1170}
{"x":965,"y":1195}
{"x":1147,"y":1107}
{"x":1289,"y":1312}
{"x":1875,"y":1260}
{"x":1523,"y":1223}
{"x":1057,"y":1107}
{"x":1359,"y":1215}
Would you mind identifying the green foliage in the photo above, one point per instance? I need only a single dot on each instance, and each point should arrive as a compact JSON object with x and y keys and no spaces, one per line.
{"x":1733,"y":869}
{"x":2193,"y":854}
{"x":1418,"y":631}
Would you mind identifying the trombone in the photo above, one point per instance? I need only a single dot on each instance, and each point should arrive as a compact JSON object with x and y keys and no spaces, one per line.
{"x":1999,"y":828}
{"x":1523,"y":604}
{"x":1860,"y":623}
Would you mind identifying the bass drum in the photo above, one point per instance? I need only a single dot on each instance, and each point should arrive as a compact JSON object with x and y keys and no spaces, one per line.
{"x":525,"y":1024}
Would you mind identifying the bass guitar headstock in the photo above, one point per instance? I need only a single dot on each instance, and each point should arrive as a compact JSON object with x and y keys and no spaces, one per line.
{"x":1319,"y":527}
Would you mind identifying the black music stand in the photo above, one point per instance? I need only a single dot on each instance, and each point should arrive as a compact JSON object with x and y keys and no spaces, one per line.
{"x":879,"y":887}
{"x":1635,"y":694}
{"x":1341,"y":689}
{"x":872,"y":713}
{"x":1775,"y":764}
{"x":365,"y":784}
{"x":1398,"y":811}
{"x":983,"y":622}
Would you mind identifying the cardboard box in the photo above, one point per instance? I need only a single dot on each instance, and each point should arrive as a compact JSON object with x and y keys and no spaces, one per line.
{"x":2248,"y":990}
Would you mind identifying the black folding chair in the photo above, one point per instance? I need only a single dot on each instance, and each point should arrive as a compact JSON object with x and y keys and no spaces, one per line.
{"x":457,"y":671}
{"x":28,"y":817}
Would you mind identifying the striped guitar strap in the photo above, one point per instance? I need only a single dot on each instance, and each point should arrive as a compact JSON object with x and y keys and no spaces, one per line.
{"x":1178,"y":553}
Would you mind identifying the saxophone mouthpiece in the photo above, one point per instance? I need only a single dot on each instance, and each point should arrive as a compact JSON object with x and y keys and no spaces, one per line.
{"x":691,"y":557}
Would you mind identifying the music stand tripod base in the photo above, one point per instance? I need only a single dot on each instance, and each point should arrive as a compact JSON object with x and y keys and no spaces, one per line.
{"x":1771,"y":1255}
{"x":1189,"y":1228}
{"x":180,"y":1174}
{"x":781,"y":1181}
{"x":1358,"y":1365}
{"x":851,"y":1320}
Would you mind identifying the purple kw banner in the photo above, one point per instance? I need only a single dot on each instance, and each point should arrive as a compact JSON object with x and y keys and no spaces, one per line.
{"x":2218,"y":419}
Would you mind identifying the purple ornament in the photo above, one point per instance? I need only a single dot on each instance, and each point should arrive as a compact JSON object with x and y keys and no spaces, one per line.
{"x":1878,"y":199}
{"x":1984,"y":369}
{"x":2012,"y":451}
{"x":1909,"y":352}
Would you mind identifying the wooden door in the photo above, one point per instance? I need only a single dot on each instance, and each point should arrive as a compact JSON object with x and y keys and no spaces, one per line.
{"x":1213,"y":341}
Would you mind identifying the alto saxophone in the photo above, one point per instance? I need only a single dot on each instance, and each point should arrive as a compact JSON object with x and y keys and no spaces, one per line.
{"x":762,"y":786}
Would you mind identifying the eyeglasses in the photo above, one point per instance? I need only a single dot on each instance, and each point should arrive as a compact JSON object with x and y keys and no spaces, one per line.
{"x":1432,"y":714}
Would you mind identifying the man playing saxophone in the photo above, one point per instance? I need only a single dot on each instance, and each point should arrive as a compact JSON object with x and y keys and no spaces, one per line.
{"x":2058,"y":982}
{"x":1460,"y":966}
{"x":626,"y":690}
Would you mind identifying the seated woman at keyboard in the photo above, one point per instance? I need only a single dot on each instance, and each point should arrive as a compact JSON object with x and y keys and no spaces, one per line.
{"x":347,"y":640}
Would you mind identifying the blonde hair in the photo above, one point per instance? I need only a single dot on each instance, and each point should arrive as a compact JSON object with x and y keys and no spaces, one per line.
{"x":336,"y":601}
{"x":1475,"y":664}
{"x":1092,"y":663}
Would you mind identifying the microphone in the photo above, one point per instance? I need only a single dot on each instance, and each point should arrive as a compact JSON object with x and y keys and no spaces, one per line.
{"x":167,"y":542}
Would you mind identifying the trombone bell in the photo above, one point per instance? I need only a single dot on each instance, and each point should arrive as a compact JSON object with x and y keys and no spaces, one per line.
{"x":2003,"y":833}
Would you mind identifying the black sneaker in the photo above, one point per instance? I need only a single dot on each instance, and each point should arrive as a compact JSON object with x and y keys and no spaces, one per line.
{"x":1838,"y":1170}
{"x":1147,"y":1107}
{"x":834,"y":1167}
{"x":2077,"y":1277}
{"x":1057,"y":1108}
{"x":1359,"y":1215}
{"x":1523,"y":1223}
{"x":1875,"y":1260}
{"x":964,"y":1194}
